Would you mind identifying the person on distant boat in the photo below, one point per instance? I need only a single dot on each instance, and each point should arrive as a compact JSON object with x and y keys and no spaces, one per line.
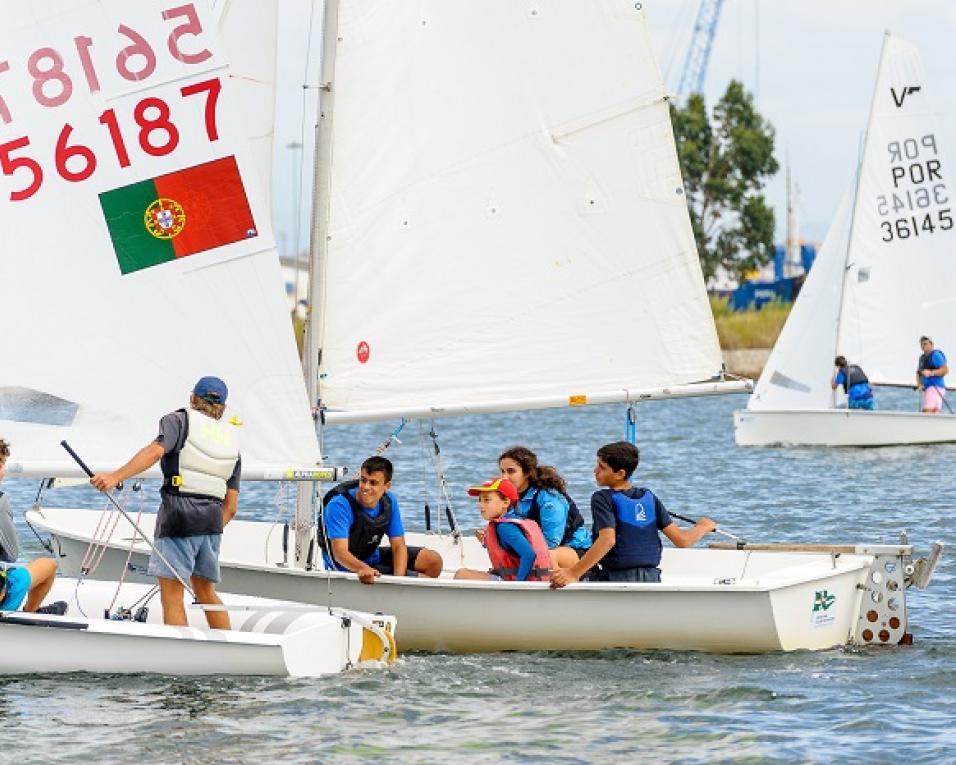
{"x":516,"y":547}
{"x":357,"y":515}
{"x":859,"y":394}
{"x":627,"y":519}
{"x":929,"y":375}
{"x":31,"y":581}
{"x":543,"y":498}
{"x":201,"y":464}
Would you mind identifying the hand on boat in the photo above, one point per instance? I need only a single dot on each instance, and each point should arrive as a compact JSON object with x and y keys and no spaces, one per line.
{"x":561,"y":577}
{"x":104,"y":481}
{"x":367,"y":575}
{"x":480,"y":535}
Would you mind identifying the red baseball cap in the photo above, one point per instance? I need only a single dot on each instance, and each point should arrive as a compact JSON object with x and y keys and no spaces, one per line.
{"x":501,"y":485}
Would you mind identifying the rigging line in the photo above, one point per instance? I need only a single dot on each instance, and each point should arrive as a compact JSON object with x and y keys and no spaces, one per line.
{"x":137,"y":487}
{"x":443,"y":485}
{"x":630,"y":424}
{"x":297,"y":220}
{"x":44,"y":543}
{"x":421,"y":444}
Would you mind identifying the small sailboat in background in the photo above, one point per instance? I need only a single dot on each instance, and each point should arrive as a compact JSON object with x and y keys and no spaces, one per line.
{"x":138,"y":254}
{"x":473,"y":209}
{"x":884,"y":276}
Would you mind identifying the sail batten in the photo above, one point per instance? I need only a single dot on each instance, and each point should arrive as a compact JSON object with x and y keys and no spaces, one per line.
{"x":496,"y":206}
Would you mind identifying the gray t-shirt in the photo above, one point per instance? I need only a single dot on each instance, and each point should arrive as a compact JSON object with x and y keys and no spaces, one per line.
{"x":9,"y":541}
{"x":187,"y":516}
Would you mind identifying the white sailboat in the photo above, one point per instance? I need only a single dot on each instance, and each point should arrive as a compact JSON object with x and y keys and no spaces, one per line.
{"x":525,"y":205}
{"x":138,"y":256}
{"x":884,"y":276}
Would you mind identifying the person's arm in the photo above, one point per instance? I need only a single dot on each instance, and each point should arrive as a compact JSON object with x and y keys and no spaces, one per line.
{"x":340,"y":551}
{"x":686,"y":537}
{"x":607,"y":538}
{"x":143,"y":460}
{"x":513,"y":539}
{"x":230,"y":505}
{"x":835,"y":382}
{"x":554,"y":517}
{"x":399,"y":555}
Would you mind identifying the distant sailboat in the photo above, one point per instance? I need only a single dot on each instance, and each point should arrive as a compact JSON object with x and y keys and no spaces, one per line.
{"x":885,"y":276}
{"x":500,"y":224}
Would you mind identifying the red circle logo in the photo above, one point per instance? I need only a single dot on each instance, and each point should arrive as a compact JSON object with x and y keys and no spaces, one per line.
{"x":362,"y":352}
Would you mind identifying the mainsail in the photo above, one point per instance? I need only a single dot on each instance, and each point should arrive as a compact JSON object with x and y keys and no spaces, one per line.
{"x":506,"y":221}
{"x":138,"y":251}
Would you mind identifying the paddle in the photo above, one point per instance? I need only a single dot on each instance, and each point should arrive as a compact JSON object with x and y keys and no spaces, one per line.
{"x":740,"y":542}
{"x":128,"y":517}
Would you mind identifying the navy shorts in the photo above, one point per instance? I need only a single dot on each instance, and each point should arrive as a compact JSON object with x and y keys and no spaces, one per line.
{"x":636,"y":574}
{"x":384,"y":564}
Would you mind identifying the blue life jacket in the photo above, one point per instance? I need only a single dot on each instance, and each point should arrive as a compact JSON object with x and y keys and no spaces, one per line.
{"x":637,"y":542}
{"x":572,"y":523}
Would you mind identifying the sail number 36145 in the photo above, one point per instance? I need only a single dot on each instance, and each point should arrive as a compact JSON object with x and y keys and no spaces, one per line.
{"x":916,"y":225}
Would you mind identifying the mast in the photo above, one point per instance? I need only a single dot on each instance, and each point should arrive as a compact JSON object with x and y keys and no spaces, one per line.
{"x":856,"y":196}
{"x":306,"y":493}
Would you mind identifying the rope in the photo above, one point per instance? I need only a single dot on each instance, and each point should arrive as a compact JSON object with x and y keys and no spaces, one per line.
{"x":137,"y":487}
{"x":103,"y":532}
{"x":393,"y":437}
{"x":443,"y":485}
{"x":630,"y":424}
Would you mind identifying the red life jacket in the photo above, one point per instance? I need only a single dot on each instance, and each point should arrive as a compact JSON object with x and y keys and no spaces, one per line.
{"x":505,"y":564}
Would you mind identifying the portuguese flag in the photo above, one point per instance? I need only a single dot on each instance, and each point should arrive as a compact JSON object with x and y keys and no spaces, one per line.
{"x":177,"y":214}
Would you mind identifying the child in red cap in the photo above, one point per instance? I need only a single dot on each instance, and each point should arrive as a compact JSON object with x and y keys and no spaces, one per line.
{"x":516,"y":547}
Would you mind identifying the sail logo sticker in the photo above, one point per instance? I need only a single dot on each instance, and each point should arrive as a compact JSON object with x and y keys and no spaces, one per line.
{"x":822,"y":616}
{"x":363,"y":352}
{"x":165,"y":218}
{"x":904,"y":92}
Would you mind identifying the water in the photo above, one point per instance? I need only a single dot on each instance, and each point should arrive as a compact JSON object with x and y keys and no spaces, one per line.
{"x":874,"y":705}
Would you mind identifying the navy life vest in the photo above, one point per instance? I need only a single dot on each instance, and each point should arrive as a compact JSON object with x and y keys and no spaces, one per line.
{"x":852,"y":375}
{"x":572,"y":523}
{"x":366,"y":531}
{"x":637,"y":543}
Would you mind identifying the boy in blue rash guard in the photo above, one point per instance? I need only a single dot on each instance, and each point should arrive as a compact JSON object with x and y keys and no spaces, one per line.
{"x":496,"y":503}
{"x":859,"y":394}
{"x":627,"y":546}
{"x":355,"y":518}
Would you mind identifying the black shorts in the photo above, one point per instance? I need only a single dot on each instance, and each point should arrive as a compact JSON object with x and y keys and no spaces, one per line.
{"x":384,"y":565}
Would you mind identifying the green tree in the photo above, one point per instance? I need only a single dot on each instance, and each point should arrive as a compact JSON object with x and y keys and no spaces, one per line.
{"x":726,"y":159}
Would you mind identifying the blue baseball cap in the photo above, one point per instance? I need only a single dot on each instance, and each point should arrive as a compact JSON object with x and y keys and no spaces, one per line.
{"x":212,"y":389}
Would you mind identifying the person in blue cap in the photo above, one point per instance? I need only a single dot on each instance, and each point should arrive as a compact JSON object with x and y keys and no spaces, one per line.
{"x":199,"y":456}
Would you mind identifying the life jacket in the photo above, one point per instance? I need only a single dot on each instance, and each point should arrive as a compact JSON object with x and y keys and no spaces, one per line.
{"x":853,"y":375}
{"x":505,"y":564}
{"x":572,"y":523}
{"x":637,"y":542}
{"x":926,"y":362}
{"x":366,"y":531}
{"x":9,"y":541}
{"x":206,"y":460}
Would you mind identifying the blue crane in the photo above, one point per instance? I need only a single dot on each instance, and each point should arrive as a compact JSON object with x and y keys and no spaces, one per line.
{"x":698,"y":53}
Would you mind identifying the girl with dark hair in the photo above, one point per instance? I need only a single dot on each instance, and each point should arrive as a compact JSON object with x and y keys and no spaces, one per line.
{"x":543,"y":498}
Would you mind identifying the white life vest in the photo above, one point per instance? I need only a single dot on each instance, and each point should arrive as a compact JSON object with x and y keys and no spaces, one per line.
{"x":208,"y":456}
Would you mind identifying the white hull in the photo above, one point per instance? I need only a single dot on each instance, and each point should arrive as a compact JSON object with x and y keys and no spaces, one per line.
{"x":709,"y":600}
{"x":269,"y":637}
{"x":841,"y":427}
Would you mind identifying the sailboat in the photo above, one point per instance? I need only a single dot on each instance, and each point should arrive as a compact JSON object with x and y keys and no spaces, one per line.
{"x":139,"y":256}
{"x":883,"y":278}
{"x":508,"y":231}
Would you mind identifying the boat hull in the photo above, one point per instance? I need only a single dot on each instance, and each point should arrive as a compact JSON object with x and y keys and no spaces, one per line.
{"x":841,"y":427}
{"x":725,"y":601}
{"x":268,"y":637}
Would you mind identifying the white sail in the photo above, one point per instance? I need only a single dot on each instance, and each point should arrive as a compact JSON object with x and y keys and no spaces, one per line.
{"x":901,"y":281}
{"x":797,"y":374}
{"x":504,"y":188}
{"x":249,"y":34}
{"x":96,"y":355}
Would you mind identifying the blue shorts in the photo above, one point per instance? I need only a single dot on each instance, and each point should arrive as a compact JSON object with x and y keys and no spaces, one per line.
{"x":636,"y":574}
{"x":18,"y":585}
{"x":861,"y":403}
{"x":189,"y":556}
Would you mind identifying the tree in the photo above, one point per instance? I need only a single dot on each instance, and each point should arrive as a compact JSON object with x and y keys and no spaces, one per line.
{"x":726,"y":161}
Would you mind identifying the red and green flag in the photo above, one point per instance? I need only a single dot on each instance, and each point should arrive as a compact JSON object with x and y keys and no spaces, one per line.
{"x":178,"y":214}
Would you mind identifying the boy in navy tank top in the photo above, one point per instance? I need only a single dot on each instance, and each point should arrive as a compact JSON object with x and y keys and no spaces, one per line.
{"x":626,"y":544}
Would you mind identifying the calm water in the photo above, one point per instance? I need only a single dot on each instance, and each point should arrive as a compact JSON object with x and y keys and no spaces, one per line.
{"x":880,"y":705}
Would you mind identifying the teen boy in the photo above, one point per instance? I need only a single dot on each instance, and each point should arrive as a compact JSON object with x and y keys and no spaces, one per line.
{"x":627,"y":546}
